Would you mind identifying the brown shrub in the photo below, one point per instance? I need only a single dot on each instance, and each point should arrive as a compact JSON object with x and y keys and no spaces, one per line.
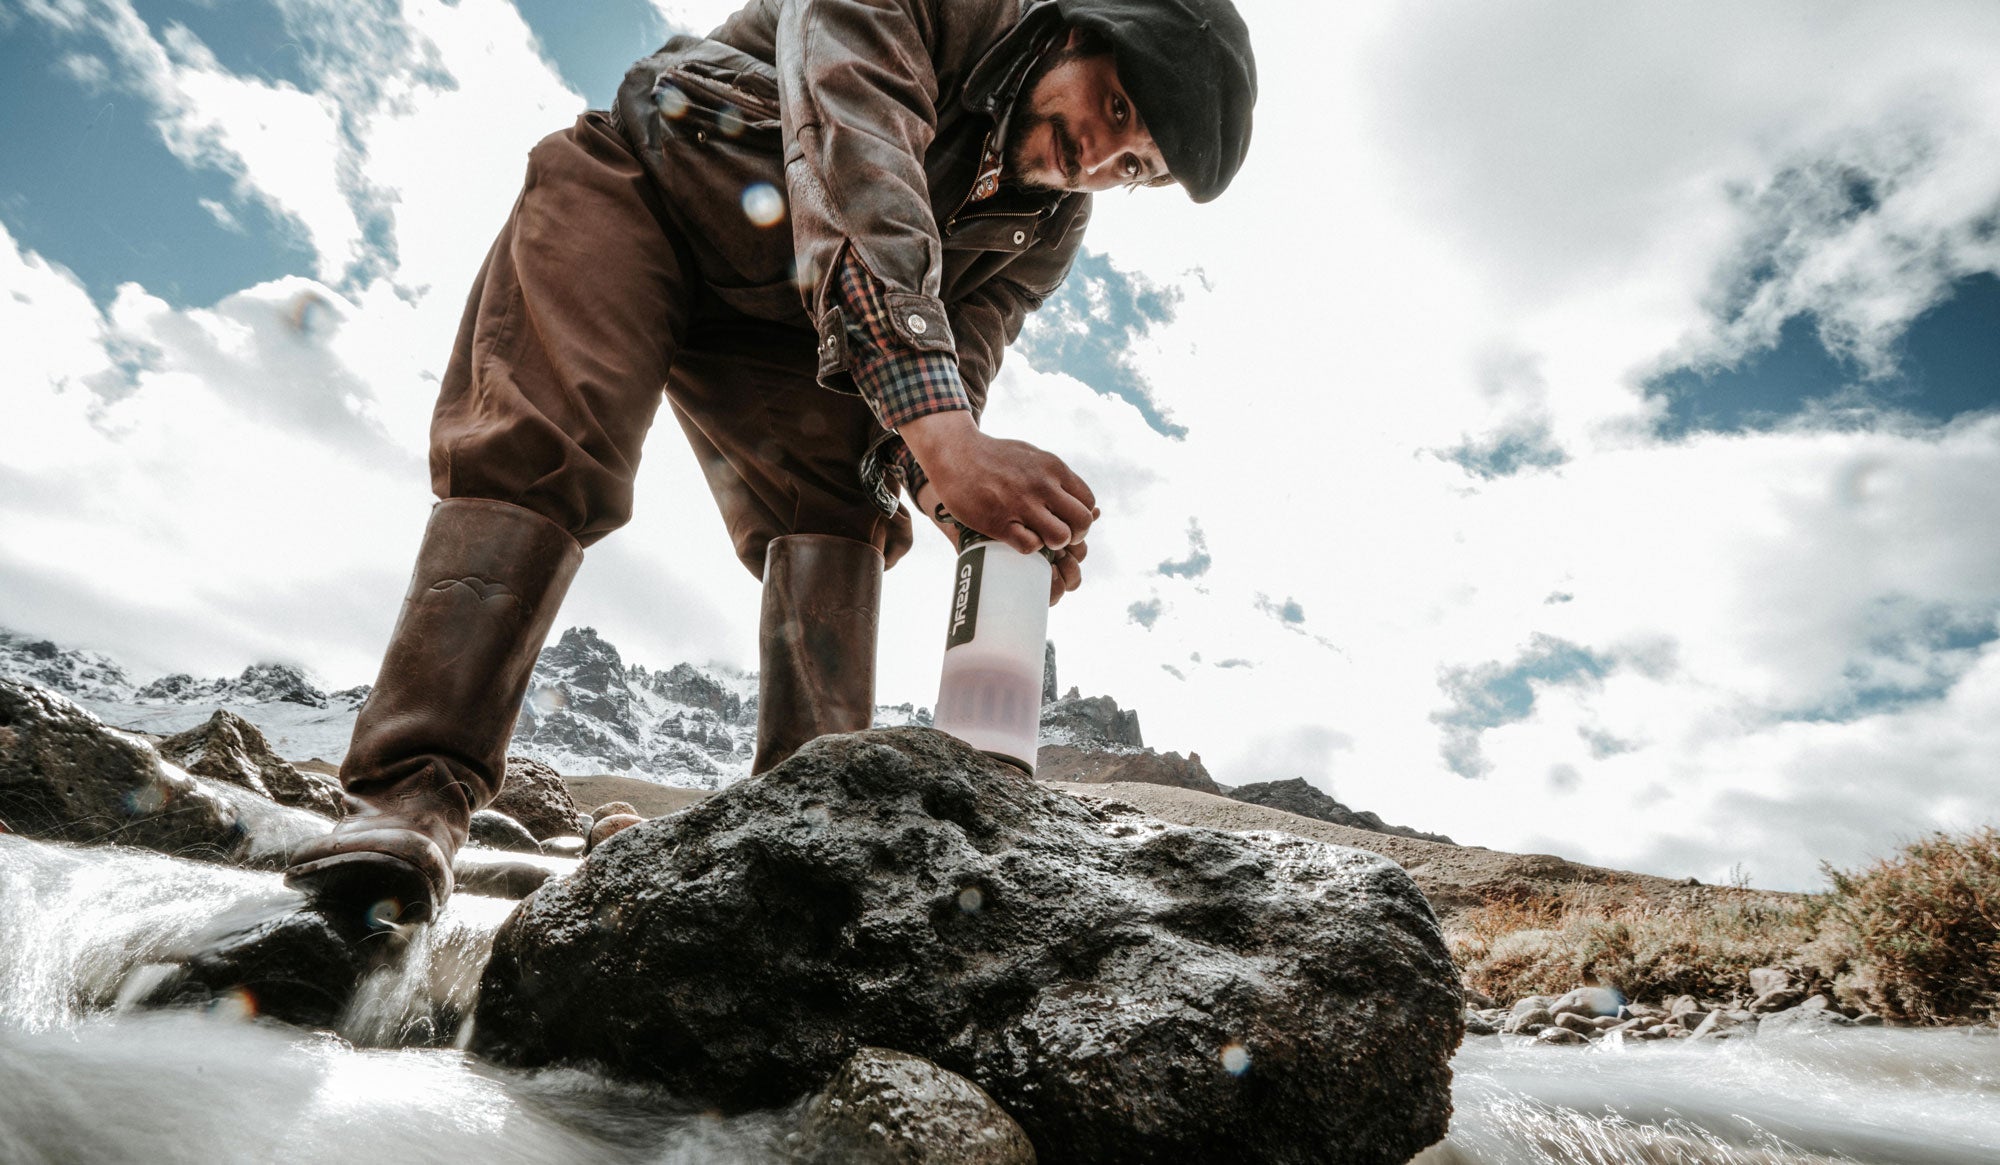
{"x":1916,"y":937}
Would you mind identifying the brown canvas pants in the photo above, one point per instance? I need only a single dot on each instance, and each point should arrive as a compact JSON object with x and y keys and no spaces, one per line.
{"x":586,"y":308}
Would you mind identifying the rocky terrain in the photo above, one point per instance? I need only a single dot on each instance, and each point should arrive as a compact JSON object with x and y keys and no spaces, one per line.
{"x":951,"y":961}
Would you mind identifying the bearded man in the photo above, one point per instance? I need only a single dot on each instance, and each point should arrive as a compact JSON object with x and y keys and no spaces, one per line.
{"x":817,"y":229}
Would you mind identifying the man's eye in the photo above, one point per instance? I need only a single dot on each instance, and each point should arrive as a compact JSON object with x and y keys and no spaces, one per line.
{"x":1131,"y":166}
{"x":1119,"y":110}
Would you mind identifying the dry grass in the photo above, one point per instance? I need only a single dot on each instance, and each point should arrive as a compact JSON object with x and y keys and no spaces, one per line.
{"x":1915,"y":937}
{"x":1703,"y":944}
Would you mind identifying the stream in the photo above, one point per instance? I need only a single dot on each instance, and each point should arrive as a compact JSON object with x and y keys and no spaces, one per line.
{"x":85,"y":1079}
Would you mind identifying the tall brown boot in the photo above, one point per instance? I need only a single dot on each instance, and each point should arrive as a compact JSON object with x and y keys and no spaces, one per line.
{"x":430,"y":745}
{"x":815,"y":642}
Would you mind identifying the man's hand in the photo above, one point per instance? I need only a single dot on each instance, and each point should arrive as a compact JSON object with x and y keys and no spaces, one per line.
{"x":1066,"y":572}
{"x":1008,"y":490}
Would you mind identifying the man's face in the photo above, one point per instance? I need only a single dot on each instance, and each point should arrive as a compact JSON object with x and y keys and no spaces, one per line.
{"x":1080,"y":130}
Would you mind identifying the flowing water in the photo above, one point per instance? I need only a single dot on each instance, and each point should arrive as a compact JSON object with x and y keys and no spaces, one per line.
{"x":83,"y":1079}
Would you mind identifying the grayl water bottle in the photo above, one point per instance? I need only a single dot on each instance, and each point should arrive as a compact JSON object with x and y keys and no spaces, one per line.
{"x":991,"y":693}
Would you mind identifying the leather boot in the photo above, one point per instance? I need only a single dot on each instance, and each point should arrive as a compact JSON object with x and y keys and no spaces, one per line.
{"x":815,"y":642}
{"x":430,"y":745}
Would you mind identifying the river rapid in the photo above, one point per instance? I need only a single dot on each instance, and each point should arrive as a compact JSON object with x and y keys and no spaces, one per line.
{"x":85,"y":1079}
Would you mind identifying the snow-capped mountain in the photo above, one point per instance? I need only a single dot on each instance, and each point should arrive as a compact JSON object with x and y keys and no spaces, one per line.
{"x":586,"y":712}
{"x":300,"y":720}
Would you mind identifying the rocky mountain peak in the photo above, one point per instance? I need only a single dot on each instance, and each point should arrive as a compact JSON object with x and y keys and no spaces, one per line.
{"x":1077,"y":719}
{"x":72,"y":672}
{"x":584,"y":660}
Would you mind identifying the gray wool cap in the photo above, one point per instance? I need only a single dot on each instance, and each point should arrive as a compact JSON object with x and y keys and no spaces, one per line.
{"x":1188,"y":67}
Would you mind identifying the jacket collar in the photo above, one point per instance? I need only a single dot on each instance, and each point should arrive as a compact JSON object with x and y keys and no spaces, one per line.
{"x":994,"y":82}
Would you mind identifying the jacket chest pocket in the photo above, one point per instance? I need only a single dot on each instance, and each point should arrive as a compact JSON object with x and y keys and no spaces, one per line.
{"x":707,"y":101}
{"x":1012,"y":233}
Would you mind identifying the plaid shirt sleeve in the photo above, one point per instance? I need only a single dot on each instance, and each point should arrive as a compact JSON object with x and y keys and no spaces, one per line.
{"x":899,"y":382}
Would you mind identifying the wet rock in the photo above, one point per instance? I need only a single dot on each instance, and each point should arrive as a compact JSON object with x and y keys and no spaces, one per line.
{"x":1561,"y":1036}
{"x":1801,"y":1021}
{"x":1589,"y":1002}
{"x":1126,"y":989}
{"x":1722,"y":1025}
{"x":1581,"y":1025}
{"x":1777,"y":1000}
{"x":64,"y":776}
{"x":500,"y":874}
{"x":609,"y":826}
{"x":229,"y":748}
{"x":1530,"y":1003}
{"x":1300,"y":797}
{"x":1476,"y":1025}
{"x":1528,"y":1022}
{"x":889,"y":1108}
{"x":499,"y":831}
{"x":1764,"y":980}
{"x":566,"y":846}
{"x":270,"y":957}
{"x":534,"y":795}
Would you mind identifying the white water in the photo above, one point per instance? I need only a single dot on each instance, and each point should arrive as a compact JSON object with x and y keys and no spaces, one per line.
{"x":82,"y":1080}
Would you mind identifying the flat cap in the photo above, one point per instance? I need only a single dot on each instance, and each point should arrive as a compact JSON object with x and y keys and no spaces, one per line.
{"x":1188,"y":67}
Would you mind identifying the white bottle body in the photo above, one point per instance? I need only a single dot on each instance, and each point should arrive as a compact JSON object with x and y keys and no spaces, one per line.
{"x":990,"y":695}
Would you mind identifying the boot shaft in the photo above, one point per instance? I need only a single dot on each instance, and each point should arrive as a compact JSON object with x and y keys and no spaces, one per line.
{"x":816,"y":642}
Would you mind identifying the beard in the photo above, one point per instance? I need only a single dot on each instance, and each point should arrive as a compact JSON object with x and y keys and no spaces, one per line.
{"x":1027,"y":118}
{"x":1019,"y":163}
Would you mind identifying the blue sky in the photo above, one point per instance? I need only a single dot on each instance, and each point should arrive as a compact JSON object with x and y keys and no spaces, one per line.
{"x":1528,"y":432}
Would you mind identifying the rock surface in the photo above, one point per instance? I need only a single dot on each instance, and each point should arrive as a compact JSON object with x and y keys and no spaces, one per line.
{"x":889,"y":1108}
{"x":1128,"y":990}
{"x":274,"y":957}
{"x":64,"y":776}
{"x":229,"y":748}
{"x":534,"y":795}
{"x":496,"y":830}
{"x":1300,"y":797}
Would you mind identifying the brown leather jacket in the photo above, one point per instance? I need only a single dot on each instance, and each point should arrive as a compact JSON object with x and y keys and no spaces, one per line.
{"x":870,"y":117}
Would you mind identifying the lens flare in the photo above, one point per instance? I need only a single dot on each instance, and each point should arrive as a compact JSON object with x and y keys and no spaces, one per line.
{"x":235,"y":1004}
{"x":729,"y":122}
{"x":672,"y":103}
{"x":971,"y":900}
{"x":1235,"y":1059}
{"x":762,"y":204}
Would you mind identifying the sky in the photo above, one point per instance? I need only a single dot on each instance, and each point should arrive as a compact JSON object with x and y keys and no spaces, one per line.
{"x":1576,"y":431}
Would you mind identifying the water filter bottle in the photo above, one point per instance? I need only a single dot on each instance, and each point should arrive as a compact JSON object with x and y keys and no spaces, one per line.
{"x":991,"y":693}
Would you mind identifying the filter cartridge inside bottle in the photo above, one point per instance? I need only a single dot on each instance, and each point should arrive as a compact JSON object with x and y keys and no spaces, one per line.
{"x":990,"y":694}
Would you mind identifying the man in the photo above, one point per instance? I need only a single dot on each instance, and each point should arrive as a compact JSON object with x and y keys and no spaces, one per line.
{"x":818,"y":228}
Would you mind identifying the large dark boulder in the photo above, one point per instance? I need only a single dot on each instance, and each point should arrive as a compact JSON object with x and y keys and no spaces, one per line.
{"x":229,"y":748}
{"x":1300,"y":797}
{"x":64,"y":776}
{"x":1127,"y":990}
